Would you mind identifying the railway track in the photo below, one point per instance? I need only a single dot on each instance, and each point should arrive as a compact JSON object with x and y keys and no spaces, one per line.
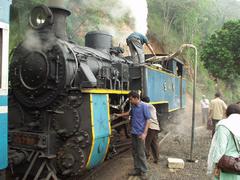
{"x":125,"y":148}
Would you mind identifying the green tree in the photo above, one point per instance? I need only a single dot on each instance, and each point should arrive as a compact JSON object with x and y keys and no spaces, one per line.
{"x":221,"y":53}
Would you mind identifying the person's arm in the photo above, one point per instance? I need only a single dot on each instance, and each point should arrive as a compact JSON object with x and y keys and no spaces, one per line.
{"x":224,"y":106}
{"x":210,"y":111}
{"x":123,"y":114}
{"x":207,"y":101}
{"x":150,"y":48}
{"x":218,"y":147}
{"x":144,"y":135}
{"x":147,"y":116}
{"x":210,"y":114}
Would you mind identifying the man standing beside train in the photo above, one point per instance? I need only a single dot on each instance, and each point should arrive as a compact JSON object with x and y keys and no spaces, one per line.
{"x":154,"y":129}
{"x":140,"y":121}
{"x":217,"y":110}
{"x":135,"y":42}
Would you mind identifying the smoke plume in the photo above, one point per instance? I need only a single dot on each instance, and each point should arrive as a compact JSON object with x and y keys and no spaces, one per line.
{"x":139,"y":11}
{"x":117,"y":9}
{"x":32,"y":41}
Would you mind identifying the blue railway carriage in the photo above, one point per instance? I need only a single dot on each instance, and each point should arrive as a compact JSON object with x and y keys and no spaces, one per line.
{"x":164,"y":83}
{"x":4,"y":41}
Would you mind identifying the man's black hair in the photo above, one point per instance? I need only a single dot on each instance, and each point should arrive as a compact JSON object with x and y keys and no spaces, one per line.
{"x":233,"y":109}
{"x":134,"y":94}
{"x":145,"y":99}
{"x":217,"y":94}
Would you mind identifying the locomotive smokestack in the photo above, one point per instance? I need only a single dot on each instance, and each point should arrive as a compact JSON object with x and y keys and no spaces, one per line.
{"x":60,"y":14}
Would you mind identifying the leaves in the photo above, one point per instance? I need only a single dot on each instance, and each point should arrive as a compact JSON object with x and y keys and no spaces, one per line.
{"x":221,"y":53}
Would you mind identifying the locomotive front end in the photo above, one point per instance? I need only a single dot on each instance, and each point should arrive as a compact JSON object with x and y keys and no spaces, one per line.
{"x":45,"y":137}
{"x":38,"y":69}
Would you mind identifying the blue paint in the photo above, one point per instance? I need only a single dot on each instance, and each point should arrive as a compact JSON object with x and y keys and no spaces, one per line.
{"x":101,"y":129}
{"x":3,"y":100}
{"x":164,"y":87}
{"x":3,"y":141}
{"x":3,"y":134}
{"x":177,"y":101}
{"x":4,"y":10}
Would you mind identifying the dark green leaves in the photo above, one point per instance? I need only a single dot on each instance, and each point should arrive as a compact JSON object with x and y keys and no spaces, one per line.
{"x":221,"y":53}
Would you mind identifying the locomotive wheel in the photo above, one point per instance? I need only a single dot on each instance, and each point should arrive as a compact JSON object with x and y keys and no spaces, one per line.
{"x":70,"y":160}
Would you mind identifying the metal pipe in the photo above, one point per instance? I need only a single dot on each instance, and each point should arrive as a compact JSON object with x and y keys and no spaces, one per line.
{"x":166,"y":58}
{"x":194,"y":91}
{"x":194,"y":100}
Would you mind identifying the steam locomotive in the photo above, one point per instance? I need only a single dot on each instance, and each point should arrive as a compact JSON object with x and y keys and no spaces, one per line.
{"x":63,"y":97}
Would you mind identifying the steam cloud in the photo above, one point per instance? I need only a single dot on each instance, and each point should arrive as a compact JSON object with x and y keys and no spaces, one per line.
{"x":136,"y":10}
{"x":139,"y":11}
{"x":32,"y":41}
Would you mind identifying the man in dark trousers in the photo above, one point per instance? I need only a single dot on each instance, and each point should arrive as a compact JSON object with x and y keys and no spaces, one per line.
{"x":154,"y":129}
{"x":140,"y":121}
{"x":135,"y":42}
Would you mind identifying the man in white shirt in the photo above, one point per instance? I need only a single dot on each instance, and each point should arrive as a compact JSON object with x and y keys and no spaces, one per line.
{"x":151,"y":141}
{"x":205,"y":106}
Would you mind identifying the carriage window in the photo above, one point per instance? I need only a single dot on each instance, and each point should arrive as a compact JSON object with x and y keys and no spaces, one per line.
{"x":1,"y":55}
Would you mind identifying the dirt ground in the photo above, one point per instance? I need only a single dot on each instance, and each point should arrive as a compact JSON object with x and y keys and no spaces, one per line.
{"x":176,"y":145}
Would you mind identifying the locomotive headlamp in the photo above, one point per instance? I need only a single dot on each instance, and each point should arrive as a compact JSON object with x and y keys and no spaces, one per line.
{"x":40,"y":17}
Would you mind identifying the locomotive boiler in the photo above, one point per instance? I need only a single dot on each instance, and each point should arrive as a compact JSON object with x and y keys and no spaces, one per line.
{"x":63,"y":97}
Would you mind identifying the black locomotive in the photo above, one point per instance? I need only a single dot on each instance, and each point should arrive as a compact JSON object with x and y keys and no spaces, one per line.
{"x":63,"y":97}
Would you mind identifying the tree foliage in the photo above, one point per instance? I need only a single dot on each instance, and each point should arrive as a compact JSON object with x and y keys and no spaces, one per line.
{"x":189,"y":21}
{"x":221,"y":53}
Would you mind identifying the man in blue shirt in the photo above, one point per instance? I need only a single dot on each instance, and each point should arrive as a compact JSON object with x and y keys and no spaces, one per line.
{"x":140,"y":121}
{"x":135,"y":42}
